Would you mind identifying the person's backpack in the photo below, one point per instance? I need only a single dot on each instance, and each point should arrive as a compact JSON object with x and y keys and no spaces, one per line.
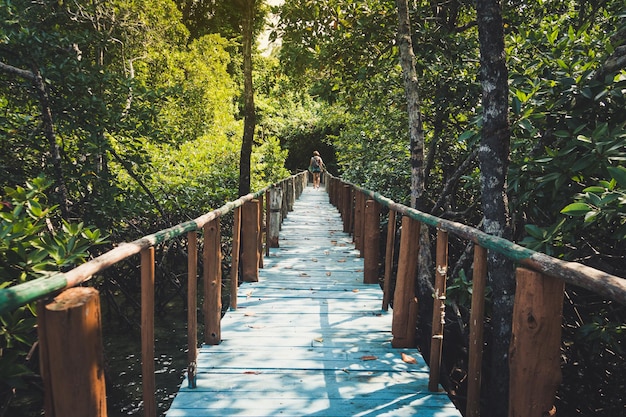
{"x":315,"y":163}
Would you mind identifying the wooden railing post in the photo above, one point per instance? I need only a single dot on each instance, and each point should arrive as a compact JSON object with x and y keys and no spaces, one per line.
{"x":346,"y":200}
{"x":359,"y":198}
{"x":439,"y":307}
{"x":371,"y":247}
{"x":268,"y":221}
{"x":249,"y":239}
{"x":192,"y":307}
{"x":405,"y":302}
{"x":212,"y":262}
{"x":276,"y":199}
{"x":284,"y":206}
{"x":260,"y":236}
{"x":329,"y":191}
{"x":234,"y":269}
{"x":390,"y":250}
{"x":147,"y":332}
{"x":534,"y":356}
{"x":339,"y":196}
{"x":291,"y":194}
{"x":72,"y":362}
{"x":476,"y":325}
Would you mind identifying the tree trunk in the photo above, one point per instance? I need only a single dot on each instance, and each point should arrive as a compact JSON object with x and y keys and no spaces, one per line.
{"x":416,"y":132}
{"x":424,"y":288}
{"x":48,"y":126}
{"x":493,"y":158}
{"x":249,"y":111}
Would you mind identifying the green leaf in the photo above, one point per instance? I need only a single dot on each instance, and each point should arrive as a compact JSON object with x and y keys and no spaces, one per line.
{"x":619,"y":174}
{"x":576,"y":209}
{"x":590,"y":216}
{"x":594,"y":189}
{"x":535,"y":231}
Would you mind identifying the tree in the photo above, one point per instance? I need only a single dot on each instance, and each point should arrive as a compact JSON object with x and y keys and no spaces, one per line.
{"x":247,"y":30}
{"x":493,"y":157}
{"x":416,"y":132}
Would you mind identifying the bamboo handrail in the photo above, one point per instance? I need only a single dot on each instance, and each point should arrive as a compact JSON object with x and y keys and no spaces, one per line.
{"x":21,"y":294}
{"x":602,"y":283}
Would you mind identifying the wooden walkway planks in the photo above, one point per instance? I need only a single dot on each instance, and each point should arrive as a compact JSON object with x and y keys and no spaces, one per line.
{"x":309,"y":339}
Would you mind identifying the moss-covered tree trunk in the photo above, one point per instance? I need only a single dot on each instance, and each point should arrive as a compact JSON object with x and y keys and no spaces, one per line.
{"x":493,"y":157}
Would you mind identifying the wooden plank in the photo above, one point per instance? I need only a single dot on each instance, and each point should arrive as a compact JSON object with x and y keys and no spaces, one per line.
{"x":309,"y":338}
{"x":405,"y":302}
{"x":389,"y":257}
{"x":73,"y":315}
{"x":148,"y":384}
{"x":474,"y":372}
{"x":236,"y":252}
{"x":192,"y":306}
{"x":534,"y":358}
{"x":212,"y":264}
{"x":439,"y":308}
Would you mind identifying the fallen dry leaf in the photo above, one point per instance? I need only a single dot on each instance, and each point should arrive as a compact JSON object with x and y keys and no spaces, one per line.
{"x":251,"y":372}
{"x":319,"y":339}
{"x":341,"y":260}
{"x":314,"y":260}
{"x":355,"y":290}
{"x":304,"y":274}
{"x":329,"y":274}
{"x":369,"y":358}
{"x":249,"y":313}
{"x":408,"y":358}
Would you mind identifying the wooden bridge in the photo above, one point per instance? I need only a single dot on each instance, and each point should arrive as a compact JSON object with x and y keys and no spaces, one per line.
{"x":306,"y":336}
{"x":310,"y":338}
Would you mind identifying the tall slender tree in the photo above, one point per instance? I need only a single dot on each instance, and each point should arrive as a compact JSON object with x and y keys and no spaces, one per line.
{"x":416,"y":133}
{"x":493,"y":158}
{"x":247,"y":30}
{"x":411,"y":86}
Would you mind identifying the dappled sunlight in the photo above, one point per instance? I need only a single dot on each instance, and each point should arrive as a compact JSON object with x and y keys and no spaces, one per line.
{"x":310,"y":338}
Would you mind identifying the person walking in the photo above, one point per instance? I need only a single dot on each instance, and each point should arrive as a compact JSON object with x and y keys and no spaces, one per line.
{"x":315,"y":167}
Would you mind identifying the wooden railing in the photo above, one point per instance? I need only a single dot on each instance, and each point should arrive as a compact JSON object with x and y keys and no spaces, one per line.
{"x":74,"y":312}
{"x":534,"y":360}
{"x":69,"y":326}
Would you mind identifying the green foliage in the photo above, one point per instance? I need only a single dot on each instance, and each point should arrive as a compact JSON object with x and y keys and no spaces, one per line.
{"x":569,"y":137}
{"x":601,"y":335}
{"x":30,"y":247}
{"x":346,"y":52}
{"x":460,"y":291}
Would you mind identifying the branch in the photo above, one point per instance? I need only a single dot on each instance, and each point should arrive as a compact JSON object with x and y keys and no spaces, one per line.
{"x":17,"y":71}
{"x":447,"y":189}
{"x":614,"y":63}
{"x":48,"y":127}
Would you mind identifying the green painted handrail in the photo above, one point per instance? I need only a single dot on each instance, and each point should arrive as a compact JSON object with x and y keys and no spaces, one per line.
{"x":21,"y":294}
{"x":605,"y":284}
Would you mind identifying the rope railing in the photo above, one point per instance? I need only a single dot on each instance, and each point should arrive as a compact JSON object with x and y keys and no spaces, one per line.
{"x":534,"y":359}
{"x":74,"y":313}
